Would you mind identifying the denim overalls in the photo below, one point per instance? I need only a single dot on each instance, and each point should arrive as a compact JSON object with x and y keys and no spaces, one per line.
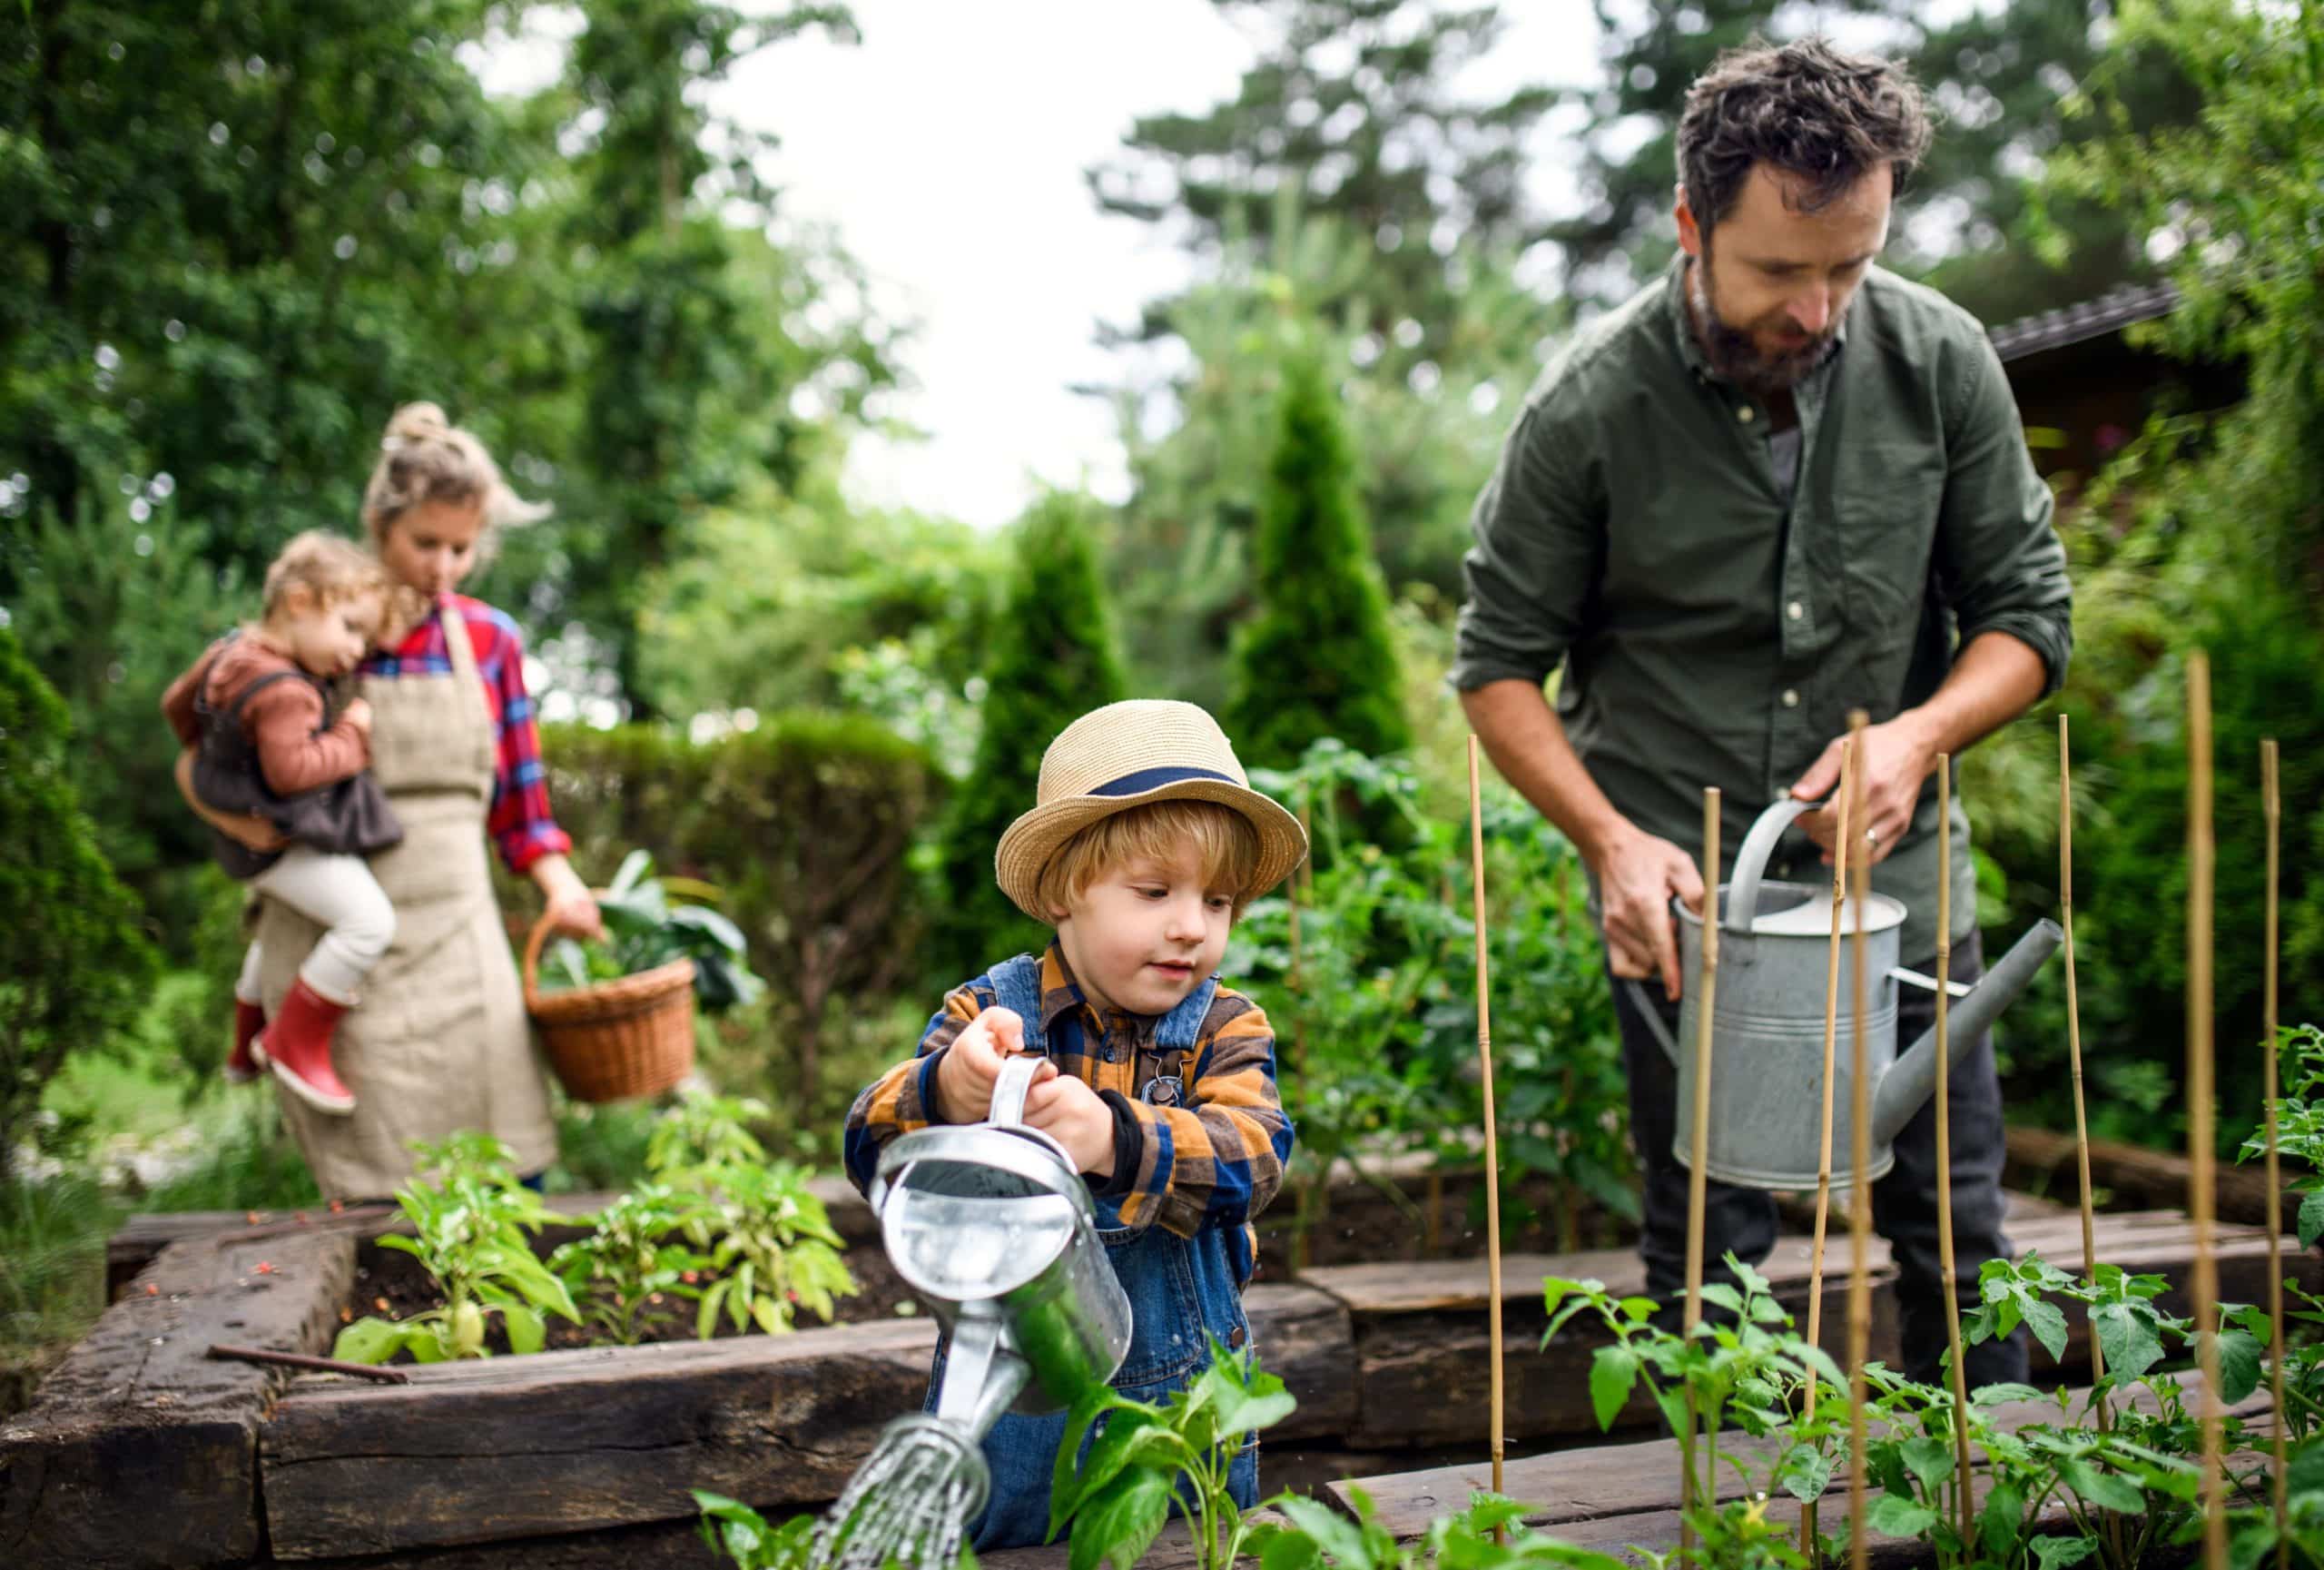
{"x":1178,"y":1287}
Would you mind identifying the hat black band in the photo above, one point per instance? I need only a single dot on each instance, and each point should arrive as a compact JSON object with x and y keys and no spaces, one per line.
{"x":1147,"y":779}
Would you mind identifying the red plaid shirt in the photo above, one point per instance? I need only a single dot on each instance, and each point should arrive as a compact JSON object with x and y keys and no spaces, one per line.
{"x":519,"y":822}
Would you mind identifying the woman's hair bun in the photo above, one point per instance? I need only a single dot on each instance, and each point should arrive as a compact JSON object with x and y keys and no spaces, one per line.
{"x":415,"y":422}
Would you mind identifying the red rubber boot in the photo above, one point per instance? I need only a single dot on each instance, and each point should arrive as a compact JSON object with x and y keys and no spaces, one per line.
{"x":241,"y":1065}
{"x":297,"y":1047}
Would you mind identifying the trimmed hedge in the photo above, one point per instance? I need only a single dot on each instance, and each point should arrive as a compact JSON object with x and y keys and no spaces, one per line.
{"x":807,"y":823}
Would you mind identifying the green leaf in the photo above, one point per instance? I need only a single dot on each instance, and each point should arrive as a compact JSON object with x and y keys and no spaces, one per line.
{"x":1805,"y":1473}
{"x":1988,"y":1395}
{"x":1248,"y":1408}
{"x":527,"y":1332}
{"x":2047,"y":1322}
{"x":633,"y":866}
{"x":2000,"y":1521}
{"x":1118,"y":1444}
{"x":368,"y":1340}
{"x":1338,"y":1538}
{"x":1065,"y":1486}
{"x":1893,"y":1515}
{"x":1118,"y":1525}
{"x":1613,"y":1370}
{"x":2239,"y":1363}
{"x":2058,"y":1553}
{"x":2312,"y":1217}
{"x":1930,"y":1460}
{"x":2126,"y":1335}
{"x":2105,"y":1490}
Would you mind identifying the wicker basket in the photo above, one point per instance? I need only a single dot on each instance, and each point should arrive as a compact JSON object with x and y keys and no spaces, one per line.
{"x":614,"y":1039}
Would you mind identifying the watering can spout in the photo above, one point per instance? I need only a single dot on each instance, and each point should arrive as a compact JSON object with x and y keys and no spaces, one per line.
{"x":1912,"y":1078}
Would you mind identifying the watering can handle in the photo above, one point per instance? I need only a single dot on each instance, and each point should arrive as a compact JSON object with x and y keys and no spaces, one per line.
{"x":1009,"y":1091}
{"x":1751,"y":860}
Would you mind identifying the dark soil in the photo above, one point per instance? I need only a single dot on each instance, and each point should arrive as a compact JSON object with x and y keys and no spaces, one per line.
{"x":393,"y":1285}
{"x":1359,"y":1225}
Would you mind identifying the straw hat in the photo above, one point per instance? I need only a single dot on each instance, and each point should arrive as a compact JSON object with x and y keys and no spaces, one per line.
{"x":1128,"y":754}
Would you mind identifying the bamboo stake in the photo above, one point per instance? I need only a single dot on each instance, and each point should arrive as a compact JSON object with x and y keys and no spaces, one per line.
{"x":1697,"y":1176}
{"x":2073,"y":1040}
{"x":2199,"y":1093}
{"x":2272,"y":802}
{"x":301,"y":1361}
{"x":1945,"y":1140}
{"x":2111,"y":1526}
{"x":1844,"y":799}
{"x":1860,"y":1200}
{"x":1484,"y":1063}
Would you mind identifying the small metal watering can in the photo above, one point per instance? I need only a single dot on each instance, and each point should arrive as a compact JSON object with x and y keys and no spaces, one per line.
{"x":993,"y":1224}
{"x":1767,"y":1028}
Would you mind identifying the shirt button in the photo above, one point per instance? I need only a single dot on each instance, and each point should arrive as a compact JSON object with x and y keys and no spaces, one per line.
{"x":1791,"y":697}
{"x":1795,"y":610}
{"x":1744,"y":414}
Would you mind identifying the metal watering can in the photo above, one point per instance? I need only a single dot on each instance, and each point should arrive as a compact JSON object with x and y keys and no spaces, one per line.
{"x":1766,"y":1101}
{"x":993,"y":1226}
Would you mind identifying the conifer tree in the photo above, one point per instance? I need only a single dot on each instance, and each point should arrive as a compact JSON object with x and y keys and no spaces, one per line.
{"x":1316,"y":660}
{"x":1054,"y":658}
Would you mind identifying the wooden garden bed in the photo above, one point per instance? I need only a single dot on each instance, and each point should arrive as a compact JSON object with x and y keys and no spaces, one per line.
{"x":140,"y":1451}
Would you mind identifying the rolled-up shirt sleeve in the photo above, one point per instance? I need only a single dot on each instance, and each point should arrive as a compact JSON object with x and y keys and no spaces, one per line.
{"x":1531,"y":569}
{"x":2000,"y":562}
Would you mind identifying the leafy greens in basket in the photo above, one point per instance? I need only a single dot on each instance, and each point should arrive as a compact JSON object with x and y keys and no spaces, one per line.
{"x":645,"y":927}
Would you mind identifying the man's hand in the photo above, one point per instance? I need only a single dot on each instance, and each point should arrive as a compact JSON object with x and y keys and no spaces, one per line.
{"x":964,"y":1079}
{"x":1637,"y":875}
{"x":1898,"y":758}
{"x":1075,"y":1117}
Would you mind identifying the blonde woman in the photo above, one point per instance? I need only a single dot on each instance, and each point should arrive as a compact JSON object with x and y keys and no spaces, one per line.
{"x":439,"y":1041}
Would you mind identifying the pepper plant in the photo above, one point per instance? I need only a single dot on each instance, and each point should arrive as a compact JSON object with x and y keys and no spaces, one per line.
{"x":471,"y":1221}
{"x":772,"y":1245}
{"x":1145,"y":1457}
{"x":637,"y":1254}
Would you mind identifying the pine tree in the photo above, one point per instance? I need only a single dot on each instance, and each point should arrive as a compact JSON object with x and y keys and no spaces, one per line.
{"x":1316,"y":660}
{"x":73,"y":965}
{"x":1054,"y":658}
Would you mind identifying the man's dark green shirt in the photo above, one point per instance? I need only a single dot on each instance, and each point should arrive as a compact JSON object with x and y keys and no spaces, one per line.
{"x":1715,"y":632}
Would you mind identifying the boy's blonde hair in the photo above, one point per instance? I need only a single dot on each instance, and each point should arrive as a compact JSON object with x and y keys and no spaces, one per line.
{"x":330,"y":569}
{"x":425,"y":458}
{"x":1159,"y":831}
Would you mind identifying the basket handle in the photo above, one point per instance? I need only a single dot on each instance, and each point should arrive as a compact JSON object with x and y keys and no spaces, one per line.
{"x":539,"y":935}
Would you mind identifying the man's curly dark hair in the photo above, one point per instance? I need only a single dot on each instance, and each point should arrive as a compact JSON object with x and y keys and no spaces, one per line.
{"x":1806,"y":110}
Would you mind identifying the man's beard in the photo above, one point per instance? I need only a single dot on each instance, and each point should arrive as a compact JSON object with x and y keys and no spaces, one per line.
{"x":1735,"y":355}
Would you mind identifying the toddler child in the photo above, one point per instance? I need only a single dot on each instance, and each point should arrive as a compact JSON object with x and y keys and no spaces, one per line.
{"x":1144,"y":846}
{"x":257,"y":712}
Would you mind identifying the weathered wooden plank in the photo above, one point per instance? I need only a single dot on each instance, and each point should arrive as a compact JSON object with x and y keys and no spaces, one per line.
{"x":566,"y":1442}
{"x":1422,"y":1350}
{"x":140,"y":1450}
{"x":2132,"y":1175}
{"x":1592,"y":1483}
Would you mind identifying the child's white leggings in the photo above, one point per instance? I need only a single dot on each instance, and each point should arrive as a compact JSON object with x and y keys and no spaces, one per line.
{"x":338,"y":892}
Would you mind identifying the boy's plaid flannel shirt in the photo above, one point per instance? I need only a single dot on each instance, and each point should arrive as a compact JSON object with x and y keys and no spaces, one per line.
{"x":1215,"y":1161}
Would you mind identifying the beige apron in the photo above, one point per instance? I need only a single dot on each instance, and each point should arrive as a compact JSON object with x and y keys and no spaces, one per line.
{"x":439,"y":1041}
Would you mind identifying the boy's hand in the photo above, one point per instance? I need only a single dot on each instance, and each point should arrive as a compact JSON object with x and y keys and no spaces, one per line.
{"x":358,"y":715}
{"x":1075,"y":1117}
{"x":971,"y":1063}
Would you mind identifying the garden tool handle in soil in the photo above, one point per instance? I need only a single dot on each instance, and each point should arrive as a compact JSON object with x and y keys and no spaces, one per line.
{"x":1008,"y":1091}
{"x":1643,"y":1002}
{"x":533,"y":951}
{"x":1752,"y":861}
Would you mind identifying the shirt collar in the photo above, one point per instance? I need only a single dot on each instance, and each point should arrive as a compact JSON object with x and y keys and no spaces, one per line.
{"x":1691,"y":348}
{"x":1061,"y":995}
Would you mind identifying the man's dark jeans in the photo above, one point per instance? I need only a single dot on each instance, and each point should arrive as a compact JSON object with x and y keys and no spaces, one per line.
{"x":1904,"y":1203}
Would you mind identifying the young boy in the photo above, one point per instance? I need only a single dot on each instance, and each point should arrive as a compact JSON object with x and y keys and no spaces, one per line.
{"x":1145,"y":846}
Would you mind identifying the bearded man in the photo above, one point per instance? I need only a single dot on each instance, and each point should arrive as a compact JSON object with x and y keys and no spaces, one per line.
{"x":1776,"y":485}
